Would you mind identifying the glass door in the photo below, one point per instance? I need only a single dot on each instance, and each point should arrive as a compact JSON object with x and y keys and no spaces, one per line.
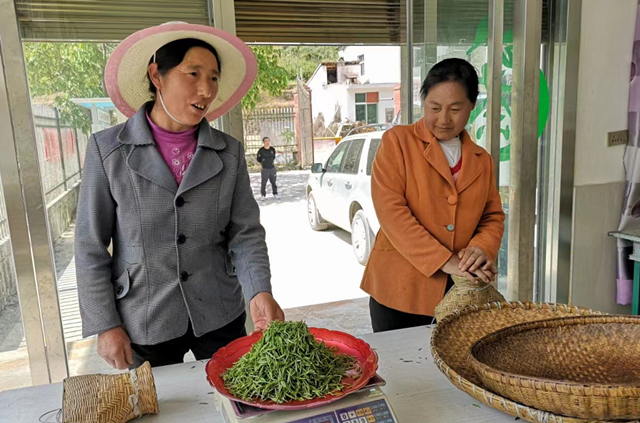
{"x":31,"y":346}
{"x":15,"y":352}
{"x":461,"y":29}
{"x":54,"y":97}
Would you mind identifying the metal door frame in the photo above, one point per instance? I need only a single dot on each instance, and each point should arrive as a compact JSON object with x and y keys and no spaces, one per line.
{"x":27,"y":212}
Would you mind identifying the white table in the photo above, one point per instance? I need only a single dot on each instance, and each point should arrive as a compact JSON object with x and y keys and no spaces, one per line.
{"x":417,"y":391}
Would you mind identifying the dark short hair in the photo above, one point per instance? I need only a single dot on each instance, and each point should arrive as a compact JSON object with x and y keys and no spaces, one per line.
{"x":452,"y":70}
{"x":265,"y":138}
{"x":172,"y":54}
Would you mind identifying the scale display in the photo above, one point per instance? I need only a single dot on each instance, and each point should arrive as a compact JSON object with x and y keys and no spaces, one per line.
{"x":368,"y":405}
{"x":371,"y":412}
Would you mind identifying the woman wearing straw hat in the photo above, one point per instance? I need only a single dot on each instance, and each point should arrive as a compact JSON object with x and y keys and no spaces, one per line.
{"x":436,"y":199}
{"x":172,"y":196}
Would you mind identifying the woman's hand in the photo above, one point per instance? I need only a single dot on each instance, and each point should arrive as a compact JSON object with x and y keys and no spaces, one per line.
{"x":115,"y":347}
{"x":452,"y":267}
{"x":475,"y":261}
{"x":264,"y":310}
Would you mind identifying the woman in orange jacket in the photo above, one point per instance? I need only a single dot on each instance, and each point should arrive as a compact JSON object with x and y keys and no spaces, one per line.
{"x":435,"y":195}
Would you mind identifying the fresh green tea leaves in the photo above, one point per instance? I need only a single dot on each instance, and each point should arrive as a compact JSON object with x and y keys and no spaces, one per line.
{"x":288,"y":364}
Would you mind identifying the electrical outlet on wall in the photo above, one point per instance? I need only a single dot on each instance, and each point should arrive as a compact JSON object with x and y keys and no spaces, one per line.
{"x":617,"y":138}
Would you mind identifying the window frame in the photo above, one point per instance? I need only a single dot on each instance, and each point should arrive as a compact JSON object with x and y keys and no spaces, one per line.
{"x":366,"y":105}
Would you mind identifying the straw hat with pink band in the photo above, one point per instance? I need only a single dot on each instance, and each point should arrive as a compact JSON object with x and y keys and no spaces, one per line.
{"x":126,"y":72}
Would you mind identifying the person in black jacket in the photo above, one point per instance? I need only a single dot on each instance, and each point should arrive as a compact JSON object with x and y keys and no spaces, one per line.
{"x":266,"y":156}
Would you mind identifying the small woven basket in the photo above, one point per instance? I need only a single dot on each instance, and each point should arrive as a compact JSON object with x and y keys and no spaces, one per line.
{"x":586,"y":367}
{"x":109,"y":398}
{"x":466,"y":293}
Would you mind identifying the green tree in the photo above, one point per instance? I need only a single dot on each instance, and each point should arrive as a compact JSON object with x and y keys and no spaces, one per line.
{"x":76,"y":70}
{"x":272,"y":78}
{"x":65,"y":71}
{"x":306,"y":59}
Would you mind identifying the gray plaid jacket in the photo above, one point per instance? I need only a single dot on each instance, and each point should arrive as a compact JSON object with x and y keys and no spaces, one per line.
{"x":176,"y":249}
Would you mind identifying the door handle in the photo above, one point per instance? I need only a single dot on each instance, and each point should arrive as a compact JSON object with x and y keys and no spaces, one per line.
{"x":330,"y":182}
{"x":348,"y":185}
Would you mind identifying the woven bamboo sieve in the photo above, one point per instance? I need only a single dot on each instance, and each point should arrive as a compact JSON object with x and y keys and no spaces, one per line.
{"x":586,"y":367}
{"x":109,"y":398}
{"x":453,"y":337}
{"x":466,"y":293}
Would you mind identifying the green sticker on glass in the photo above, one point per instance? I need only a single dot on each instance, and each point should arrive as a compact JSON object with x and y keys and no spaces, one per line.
{"x":543,"y":104}
{"x":481,"y":39}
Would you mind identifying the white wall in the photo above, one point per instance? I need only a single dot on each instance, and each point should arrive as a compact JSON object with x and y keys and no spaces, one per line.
{"x":606,"y":44}
{"x":381,"y":63}
{"x":603,"y":89}
{"x":326,"y":97}
{"x":344,"y":69}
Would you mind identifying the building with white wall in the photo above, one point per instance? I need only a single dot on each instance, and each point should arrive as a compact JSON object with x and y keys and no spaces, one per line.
{"x":360,"y":87}
{"x":379,"y":64}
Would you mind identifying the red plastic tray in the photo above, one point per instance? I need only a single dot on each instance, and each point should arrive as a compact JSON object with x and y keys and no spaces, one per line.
{"x":366,"y":358}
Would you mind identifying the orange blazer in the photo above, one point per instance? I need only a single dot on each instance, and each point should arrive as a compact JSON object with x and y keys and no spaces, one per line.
{"x":425,"y":216}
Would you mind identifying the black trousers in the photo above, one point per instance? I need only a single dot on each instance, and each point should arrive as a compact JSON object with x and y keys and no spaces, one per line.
{"x":384,"y":318}
{"x":203,"y":347}
{"x":268,"y":175}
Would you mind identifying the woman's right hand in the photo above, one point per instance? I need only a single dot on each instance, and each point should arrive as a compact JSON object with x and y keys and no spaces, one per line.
{"x":452,"y":267}
{"x":114,"y":346}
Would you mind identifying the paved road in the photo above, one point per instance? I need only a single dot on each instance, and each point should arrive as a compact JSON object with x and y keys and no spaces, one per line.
{"x":308,"y":267}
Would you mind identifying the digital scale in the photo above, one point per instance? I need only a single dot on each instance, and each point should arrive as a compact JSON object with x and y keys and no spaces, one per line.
{"x":368,"y":405}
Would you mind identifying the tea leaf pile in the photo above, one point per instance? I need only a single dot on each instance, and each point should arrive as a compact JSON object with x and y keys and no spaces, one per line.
{"x":288,"y":364}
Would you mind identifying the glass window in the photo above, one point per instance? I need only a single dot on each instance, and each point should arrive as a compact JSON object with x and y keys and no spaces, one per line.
{"x":332,"y":74}
{"x":367,"y":107}
{"x":372,"y":113}
{"x":335,"y":161}
{"x":352,"y":161}
{"x":373,"y":150}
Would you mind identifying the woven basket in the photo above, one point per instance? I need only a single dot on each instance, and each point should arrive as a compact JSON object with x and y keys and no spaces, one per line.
{"x":453,"y":337}
{"x":466,"y":293}
{"x":587,"y":367}
{"x":109,"y":398}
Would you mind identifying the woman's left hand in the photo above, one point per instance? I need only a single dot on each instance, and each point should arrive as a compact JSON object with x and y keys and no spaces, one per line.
{"x":473,"y":260}
{"x":264,"y":310}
